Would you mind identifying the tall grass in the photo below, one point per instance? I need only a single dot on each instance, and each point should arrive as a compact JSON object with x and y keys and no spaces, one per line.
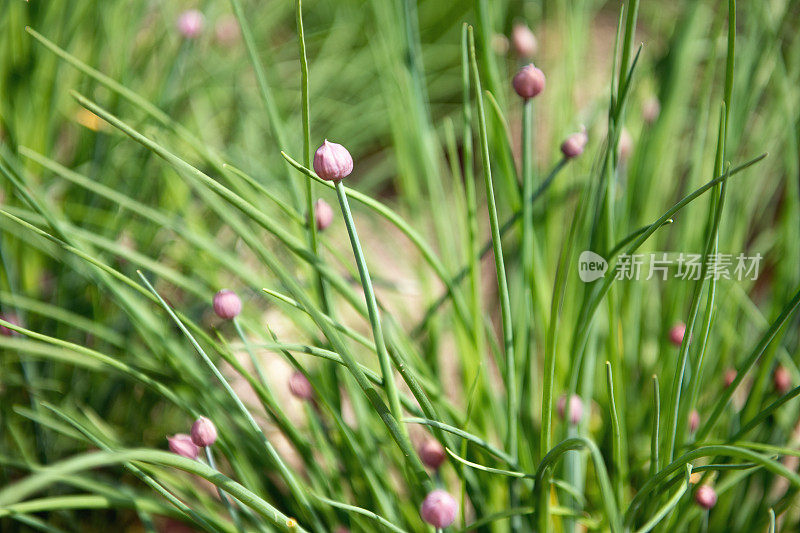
{"x":142,"y":171}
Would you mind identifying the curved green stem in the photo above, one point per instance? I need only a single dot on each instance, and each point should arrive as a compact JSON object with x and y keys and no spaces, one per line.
{"x":372,"y":305}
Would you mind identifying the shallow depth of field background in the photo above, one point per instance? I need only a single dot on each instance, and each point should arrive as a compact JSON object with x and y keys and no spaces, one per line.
{"x":386,"y":81}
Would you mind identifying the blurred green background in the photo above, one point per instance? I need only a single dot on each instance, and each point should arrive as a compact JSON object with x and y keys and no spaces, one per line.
{"x":385,"y":79}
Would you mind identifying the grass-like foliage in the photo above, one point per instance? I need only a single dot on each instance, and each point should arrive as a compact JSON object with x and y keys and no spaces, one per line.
{"x":560,"y":298}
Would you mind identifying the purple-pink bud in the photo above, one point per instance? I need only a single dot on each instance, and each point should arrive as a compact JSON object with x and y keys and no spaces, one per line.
{"x":529,"y":81}
{"x":781,"y":380}
{"x":190,"y":23}
{"x":730,"y":376}
{"x":705,"y":497}
{"x":300,"y":387}
{"x":323,"y":214}
{"x":524,"y":41}
{"x":625,"y":146}
{"x":8,"y":332}
{"x":332,"y":161}
{"x":431,"y":453}
{"x":574,"y":145}
{"x":694,"y":421}
{"x":203,"y":432}
{"x":182,"y":444}
{"x":575,"y":408}
{"x":651,"y":108}
{"x":227,"y":30}
{"x":227,"y":304}
{"x":676,"y":333}
{"x":439,"y":509}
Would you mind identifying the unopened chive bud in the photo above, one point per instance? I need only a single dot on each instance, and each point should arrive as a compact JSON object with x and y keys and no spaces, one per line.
{"x":203,"y":432}
{"x":332,"y":161}
{"x":651,"y":108}
{"x":676,"y":333}
{"x":323,"y":214}
{"x":730,"y":376}
{"x":432,"y":453}
{"x":190,"y":23}
{"x":575,"y":408}
{"x":524,"y":41}
{"x":781,"y":380}
{"x":705,"y":497}
{"x":227,"y":304}
{"x":12,"y":319}
{"x":439,"y":509}
{"x":529,"y":81}
{"x":182,"y":444}
{"x":574,"y":145}
{"x":227,"y":30}
{"x":625,"y":146}
{"x":694,"y":421}
{"x":300,"y":387}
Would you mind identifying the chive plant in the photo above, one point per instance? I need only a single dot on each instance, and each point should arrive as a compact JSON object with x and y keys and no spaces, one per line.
{"x":497,"y":331}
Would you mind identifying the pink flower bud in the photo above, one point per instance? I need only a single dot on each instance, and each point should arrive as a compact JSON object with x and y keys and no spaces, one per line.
{"x":227,"y":304}
{"x":651,"y":108}
{"x":529,"y":81}
{"x":705,"y":497}
{"x":625,"y":146}
{"x":431,"y":453}
{"x":574,"y":145}
{"x":525,"y":43}
{"x":694,"y":421}
{"x":190,"y":23}
{"x":182,"y":444}
{"x":730,"y":376}
{"x":203,"y":432}
{"x":323,"y":214}
{"x":676,"y":333}
{"x":439,"y":509}
{"x":227,"y":30}
{"x":575,"y":408}
{"x":300,"y":387}
{"x":332,"y":161}
{"x":781,"y":380}
{"x":8,"y":332}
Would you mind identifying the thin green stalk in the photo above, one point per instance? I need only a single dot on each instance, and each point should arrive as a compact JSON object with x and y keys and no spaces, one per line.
{"x":655,"y":465}
{"x":372,"y":305}
{"x":311,"y":222}
{"x":502,"y":283}
{"x":222,"y":496}
{"x":527,"y":252}
{"x":473,"y":267}
{"x":616,"y":439}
